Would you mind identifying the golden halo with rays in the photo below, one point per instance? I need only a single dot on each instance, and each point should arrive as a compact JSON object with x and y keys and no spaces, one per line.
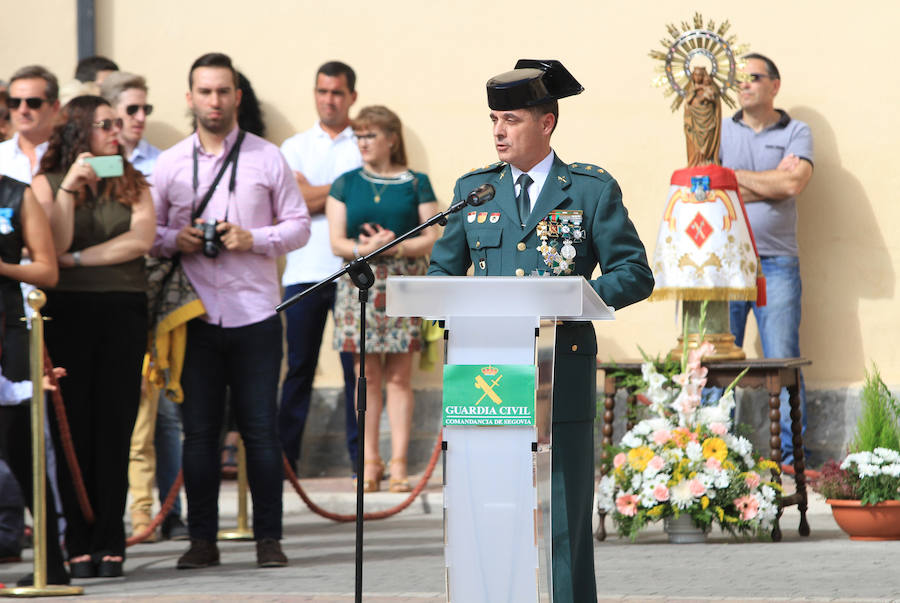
{"x":694,"y":43}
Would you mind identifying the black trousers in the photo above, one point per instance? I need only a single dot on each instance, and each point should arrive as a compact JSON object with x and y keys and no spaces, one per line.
{"x":100,"y":339}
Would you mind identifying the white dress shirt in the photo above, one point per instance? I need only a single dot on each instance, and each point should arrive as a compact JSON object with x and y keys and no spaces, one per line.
{"x":538,"y":174}
{"x":15,"y":164}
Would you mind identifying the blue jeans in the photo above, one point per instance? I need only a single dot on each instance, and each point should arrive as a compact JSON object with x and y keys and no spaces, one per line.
{"x":167,"y":441}
{"x":247,"y":360}
{"x":305,"y":324}
{"x":779,"y":329}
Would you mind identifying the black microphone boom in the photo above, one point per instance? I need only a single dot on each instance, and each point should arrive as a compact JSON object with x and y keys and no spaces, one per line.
{"x":482,"y":194}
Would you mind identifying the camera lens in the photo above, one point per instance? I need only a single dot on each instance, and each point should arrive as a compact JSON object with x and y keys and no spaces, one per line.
{"x":211,"y":240}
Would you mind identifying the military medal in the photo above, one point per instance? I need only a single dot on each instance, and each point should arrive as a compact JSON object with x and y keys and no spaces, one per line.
{"x":565,"y":226}
{"x":470,"y":217}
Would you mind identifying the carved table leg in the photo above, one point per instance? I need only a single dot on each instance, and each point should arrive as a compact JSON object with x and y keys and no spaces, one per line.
{"x":799,"y":459}
{"x":773,"y":386}
{"x":609,"y":416}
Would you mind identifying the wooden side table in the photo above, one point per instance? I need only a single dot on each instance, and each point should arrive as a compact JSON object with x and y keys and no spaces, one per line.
{"x":771,"y":373}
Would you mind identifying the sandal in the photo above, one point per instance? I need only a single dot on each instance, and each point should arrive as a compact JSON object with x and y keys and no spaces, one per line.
{"x":399,"y":484}
{"x":374,"y":484}
{"x":229,"y":461}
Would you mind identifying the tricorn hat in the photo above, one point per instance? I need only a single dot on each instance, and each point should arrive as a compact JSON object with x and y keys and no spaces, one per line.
{"x":532,"y":82}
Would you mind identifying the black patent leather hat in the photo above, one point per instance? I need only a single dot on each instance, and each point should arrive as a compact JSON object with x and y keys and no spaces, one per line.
{"x":532,"y":82}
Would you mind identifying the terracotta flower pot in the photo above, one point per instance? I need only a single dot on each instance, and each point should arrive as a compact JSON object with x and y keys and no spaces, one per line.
{"x":867,"y":522}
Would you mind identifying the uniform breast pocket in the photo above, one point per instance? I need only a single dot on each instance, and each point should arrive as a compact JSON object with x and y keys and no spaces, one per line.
{"x":484,"y":249}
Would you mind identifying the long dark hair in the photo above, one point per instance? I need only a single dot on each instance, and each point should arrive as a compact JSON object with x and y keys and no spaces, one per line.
{"x":72,"y":136}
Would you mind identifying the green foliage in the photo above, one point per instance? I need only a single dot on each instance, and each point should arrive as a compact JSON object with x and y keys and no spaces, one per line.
{"x":878,"y":425}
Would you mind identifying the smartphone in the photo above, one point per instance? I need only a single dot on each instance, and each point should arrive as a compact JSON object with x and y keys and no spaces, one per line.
{"x":106,"y":166}
{"x":369,"y":228}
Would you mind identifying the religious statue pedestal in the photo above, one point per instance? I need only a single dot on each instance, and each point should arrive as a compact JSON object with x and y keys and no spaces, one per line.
{"x":717,"y":330}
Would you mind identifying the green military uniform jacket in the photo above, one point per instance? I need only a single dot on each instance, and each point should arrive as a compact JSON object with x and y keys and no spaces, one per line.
{"x":494,"y":243}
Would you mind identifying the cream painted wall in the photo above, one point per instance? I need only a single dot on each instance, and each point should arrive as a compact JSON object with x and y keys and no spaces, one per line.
{"x":429,"y":62}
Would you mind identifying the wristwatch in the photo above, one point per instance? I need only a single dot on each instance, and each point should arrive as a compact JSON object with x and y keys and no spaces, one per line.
{"x":76,"y":257}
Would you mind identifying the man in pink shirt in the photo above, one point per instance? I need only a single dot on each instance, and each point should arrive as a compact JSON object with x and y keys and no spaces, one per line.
{"x":254,"y":214}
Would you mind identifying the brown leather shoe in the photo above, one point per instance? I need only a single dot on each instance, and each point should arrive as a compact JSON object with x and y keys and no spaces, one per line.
{"x":201,"y":554}
{"x":269,"y":553}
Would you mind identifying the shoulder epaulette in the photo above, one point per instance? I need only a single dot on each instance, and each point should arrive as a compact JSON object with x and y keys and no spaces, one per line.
{"x":588,"y":169}
{"x":493,"y":167}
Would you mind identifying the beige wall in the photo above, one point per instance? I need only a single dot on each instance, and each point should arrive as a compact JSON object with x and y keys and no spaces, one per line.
{"x":429,"y":62}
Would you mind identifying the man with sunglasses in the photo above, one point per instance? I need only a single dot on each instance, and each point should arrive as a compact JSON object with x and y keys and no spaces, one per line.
{"x":127,"y":93}
{"x":33,"y":105}
{"x":772,"y":157}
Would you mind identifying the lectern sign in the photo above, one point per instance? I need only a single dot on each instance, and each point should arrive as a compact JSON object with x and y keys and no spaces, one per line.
{"x":493,"y":394}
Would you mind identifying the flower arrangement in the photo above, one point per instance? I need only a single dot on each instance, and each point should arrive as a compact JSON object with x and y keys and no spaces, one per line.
{"x":682,"y":459}
{"x":870,"y":472}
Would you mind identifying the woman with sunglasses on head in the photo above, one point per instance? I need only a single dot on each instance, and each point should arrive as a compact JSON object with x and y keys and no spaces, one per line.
{"x":103,"y":223}
{"x":368,"y":208}
{"x":127,"y":93}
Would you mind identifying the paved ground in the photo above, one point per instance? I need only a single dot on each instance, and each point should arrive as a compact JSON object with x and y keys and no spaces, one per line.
{"x":404,"y":562}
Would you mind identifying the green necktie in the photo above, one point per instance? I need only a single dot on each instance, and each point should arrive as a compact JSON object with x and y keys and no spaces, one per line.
{"x":522,"y":199}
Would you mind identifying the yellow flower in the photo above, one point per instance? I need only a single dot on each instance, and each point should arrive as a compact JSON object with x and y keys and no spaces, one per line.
{"x":715,"y":448}
{"x":704,"y":502}
{"x":639,"y":457}
{"x":769,"y":464}
{"x":728,"y":465}
{"x":656,"y":511}
{"x":720,"y":512}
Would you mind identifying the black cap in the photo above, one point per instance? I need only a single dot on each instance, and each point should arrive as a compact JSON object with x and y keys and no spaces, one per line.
{"x":531,"y":83}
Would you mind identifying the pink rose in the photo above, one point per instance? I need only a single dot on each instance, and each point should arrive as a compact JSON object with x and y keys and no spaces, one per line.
{"x":661,"y":493}
{"x":619,"y":460}
{"x":697,"y":488}
{"x":627,"y":504}
{"x":748,"y":506}
{"x":713,"y":463}
{"x":656,"y":463}
{"x":718,"y":428}
{"x":752,"y":479}
{"x":661,"y":436}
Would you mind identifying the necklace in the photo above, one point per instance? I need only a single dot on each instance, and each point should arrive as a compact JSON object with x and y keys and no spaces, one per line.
{"x":377,"y":191}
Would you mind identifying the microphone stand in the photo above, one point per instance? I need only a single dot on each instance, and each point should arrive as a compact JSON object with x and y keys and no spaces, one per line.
{"x":362,"y":276}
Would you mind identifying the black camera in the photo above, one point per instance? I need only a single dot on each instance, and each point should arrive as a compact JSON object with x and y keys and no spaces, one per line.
{"x":212,"y":239}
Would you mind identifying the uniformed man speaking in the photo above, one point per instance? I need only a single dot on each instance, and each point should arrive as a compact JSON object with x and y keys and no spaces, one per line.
{"x":550,"y":217}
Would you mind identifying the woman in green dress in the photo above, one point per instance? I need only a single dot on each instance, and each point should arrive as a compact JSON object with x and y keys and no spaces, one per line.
{"x":367,"y":208}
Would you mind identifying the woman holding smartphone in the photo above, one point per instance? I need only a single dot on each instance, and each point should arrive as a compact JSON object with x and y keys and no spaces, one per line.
{"x":103,"y":223}
{"x":367,"y":208}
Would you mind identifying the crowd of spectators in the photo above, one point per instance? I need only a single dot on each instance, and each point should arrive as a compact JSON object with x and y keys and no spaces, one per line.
{"x":95,"y":207}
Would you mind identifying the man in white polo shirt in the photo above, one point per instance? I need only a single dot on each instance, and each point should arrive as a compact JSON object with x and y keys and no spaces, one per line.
{"x":317,"y":156}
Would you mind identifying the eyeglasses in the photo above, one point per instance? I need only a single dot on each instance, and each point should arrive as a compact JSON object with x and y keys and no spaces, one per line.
{"x":755,"y":77}
{"x":107,"y":124}
{"x":33,"y":102}
{"x":368,"y":137}
{"x":133,"y":109}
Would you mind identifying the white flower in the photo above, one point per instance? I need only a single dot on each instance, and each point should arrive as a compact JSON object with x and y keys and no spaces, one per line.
{"x":868,"y":470}
{"x":636,"y":480}
{"x":864,"y":457}
{"x":641,"y":428}
{"x":648,"y":370}
{"x":605,"y":491}
{"x":673,"y":455}
{"x":888,"y":455}
{"x":721,"y":479}
{"x":694,"y":451}
{"x":680,"y":494}
{"x":706,"y":479}
{"x":630,"y":440}
{"x":892,"y":470}
{"x":739,"y":444}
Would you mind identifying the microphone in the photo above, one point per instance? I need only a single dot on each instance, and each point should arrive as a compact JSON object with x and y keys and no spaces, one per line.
{"x":482,"y":194}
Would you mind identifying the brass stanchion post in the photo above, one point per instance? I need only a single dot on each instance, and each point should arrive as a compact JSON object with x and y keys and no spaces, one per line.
{"x":243,"y":531}
{"x":37,"y":299}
